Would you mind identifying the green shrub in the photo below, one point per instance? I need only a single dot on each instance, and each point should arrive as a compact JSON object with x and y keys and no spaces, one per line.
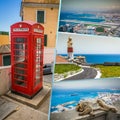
{"x":4,"y":33}
{"x":62,"y":68}
{"x":109,"y":71}
{"x":100,"y":29}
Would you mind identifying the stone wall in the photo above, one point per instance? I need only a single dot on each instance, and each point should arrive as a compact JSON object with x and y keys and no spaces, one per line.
{"x":5,"y":79}
{"x":101,"y":115}
{"x":4,"y":39}
{"x":49,"y":54}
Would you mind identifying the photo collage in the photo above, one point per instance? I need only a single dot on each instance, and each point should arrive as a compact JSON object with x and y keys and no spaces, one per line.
{"x":87,"y":81}
{"x":61,"y":61}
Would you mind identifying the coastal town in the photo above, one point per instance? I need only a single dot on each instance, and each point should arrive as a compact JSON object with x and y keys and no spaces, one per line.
{"x":104,"y":23}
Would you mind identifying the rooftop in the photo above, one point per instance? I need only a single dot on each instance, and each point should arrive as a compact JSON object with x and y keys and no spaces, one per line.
{"x":60,"y":59}
{"x":5,"y":48}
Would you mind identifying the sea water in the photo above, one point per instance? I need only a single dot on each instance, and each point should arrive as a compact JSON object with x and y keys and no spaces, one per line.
{"x":99,"y":58}
{"x":71,"y":97}
{"x":73,"y":18}
{"x":60,"y":96}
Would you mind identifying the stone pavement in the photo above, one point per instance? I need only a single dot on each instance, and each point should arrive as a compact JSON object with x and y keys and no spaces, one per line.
{"x":48,"y":79}
{"x":26,"y":113}
{"x":36,"y":101}
{"x":6,"y":108}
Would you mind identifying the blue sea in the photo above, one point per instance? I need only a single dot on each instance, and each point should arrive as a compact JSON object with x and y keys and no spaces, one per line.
{"x":99,"y":58}
{"x":61,"y":96}
{"x":67,"y":18}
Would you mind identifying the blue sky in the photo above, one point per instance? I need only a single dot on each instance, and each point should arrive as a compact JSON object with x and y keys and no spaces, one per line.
{"x":75,"y":5}
{"x":108,"y":83}
{"x":88,"y":44}
{"x":9,"y":13}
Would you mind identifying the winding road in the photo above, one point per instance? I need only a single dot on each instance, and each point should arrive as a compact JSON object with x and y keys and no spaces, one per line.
{"x":88,"y":73}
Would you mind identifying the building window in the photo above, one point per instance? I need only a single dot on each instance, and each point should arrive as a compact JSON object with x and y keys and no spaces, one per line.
{"x":45,"y":40}
{"x":40,"y":16}
{"x":6,"y":60}
{"x":22,"y":18}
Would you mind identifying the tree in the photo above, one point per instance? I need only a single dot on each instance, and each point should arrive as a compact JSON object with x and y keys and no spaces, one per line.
{"x":100,"y":29}
{"x":4,"y":33}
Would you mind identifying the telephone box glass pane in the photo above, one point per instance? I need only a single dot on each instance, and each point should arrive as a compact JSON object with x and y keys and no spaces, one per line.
{"x":20,"y":58}
{"x":19,"y":71}
{"x":37,"y":60}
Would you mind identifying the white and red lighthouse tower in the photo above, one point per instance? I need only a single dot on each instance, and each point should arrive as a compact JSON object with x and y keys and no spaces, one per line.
{"x":70,"y":48}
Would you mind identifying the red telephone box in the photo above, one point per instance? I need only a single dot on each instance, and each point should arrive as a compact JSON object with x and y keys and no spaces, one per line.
{"x":27,"y":44}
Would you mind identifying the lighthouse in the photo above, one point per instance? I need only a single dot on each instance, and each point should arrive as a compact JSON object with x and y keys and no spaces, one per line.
{"x":70,"y":48}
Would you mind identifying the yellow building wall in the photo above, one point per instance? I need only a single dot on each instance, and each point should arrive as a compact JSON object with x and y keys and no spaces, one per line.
{"x":4,"y":39}
{"x":50,"y":25}
{"x":42,"y":1}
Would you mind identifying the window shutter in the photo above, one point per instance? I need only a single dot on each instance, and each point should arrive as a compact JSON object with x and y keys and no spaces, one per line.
{"x":40,"y":16}
{"x":45,"y":40}
{"x":6,"y":60}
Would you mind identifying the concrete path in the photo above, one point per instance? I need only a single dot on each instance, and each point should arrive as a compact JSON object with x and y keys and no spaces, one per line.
{"x":27,"y":113}
{"x":88,"y":73}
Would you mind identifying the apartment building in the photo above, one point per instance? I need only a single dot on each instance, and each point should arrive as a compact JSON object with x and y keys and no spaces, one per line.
{"x":44,"y":12}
